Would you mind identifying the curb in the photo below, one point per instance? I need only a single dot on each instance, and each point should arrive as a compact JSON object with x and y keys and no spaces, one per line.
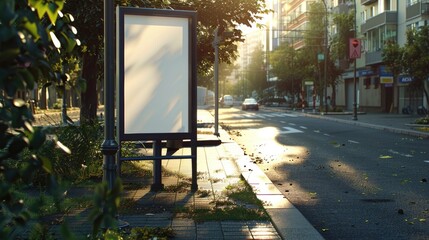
{"x":374,"y":126}
{"x":363,"y":124}
{"x":289,"y":222}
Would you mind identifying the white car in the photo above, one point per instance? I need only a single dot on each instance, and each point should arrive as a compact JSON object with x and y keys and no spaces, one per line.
{"x":227,"y":101}
{"x":250,"y":103}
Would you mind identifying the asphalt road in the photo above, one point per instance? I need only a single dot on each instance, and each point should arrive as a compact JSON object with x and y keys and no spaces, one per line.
{"x":350,"y":182}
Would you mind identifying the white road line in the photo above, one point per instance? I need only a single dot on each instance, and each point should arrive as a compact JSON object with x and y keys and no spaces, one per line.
{"x":282,"y":122}
{"x":303,"y":127}
{"x":400,"y":154}
{"x":290,"y":130}
{"x":351,"y":141}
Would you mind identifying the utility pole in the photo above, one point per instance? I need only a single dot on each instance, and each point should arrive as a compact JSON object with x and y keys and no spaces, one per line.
{"x":354,"y":69}
{"x":216,"y":79}
{"x":325,"y":101}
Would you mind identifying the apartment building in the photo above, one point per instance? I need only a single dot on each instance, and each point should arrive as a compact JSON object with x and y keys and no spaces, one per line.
{"x":377,"y":22}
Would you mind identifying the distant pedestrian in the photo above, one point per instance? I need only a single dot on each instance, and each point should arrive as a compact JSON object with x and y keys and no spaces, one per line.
{"x":328,"y":102}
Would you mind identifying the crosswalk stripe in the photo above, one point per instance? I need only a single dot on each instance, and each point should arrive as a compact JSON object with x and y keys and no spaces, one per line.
{"x":268,"y":115}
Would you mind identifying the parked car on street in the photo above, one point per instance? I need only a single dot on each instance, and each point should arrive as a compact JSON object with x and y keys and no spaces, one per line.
{"x":273,"y":101}
{"x":227,"y":101}
{"x":250,"y":103}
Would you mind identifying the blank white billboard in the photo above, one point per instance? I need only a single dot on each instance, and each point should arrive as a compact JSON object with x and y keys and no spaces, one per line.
{"x":155,"y":74}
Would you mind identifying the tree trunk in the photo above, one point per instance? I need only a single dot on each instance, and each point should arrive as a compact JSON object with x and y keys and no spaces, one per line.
{"x":88,"y":110}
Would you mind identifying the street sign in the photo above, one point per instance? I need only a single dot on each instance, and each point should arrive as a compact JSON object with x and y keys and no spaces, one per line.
{"x":320,"y":57}
{"x":354,"y":48}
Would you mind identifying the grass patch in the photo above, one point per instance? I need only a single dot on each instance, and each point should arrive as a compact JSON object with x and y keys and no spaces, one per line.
{"x":233,"y":213}
{"x":424,"y":120}
{"x":139,"y":169}
{"x":424,"y":129}
{"x":151,"y":233}
{"x":48,"y":205}
{"x":243,"y":192}
{"x":237,"y":202}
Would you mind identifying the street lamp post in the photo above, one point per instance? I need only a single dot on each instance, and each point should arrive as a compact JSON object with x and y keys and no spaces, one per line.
{"x":110,"y":147}
{"x":325,"y":50}
{"x":216,"y":79}
{"x":354,"y":73}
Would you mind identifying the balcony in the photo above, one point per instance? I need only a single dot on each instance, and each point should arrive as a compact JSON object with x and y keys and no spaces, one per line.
{"x":372,"y":58}
{"x":367,"y":2}
{"x":418,"y":9}
{"x":388,"y":17}
{"x":342,"y":8}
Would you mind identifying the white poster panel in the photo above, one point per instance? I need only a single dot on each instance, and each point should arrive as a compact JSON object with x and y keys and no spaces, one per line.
{"x":156,"y":75}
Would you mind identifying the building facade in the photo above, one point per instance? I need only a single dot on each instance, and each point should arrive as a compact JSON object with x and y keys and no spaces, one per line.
{"x":376,"y":22}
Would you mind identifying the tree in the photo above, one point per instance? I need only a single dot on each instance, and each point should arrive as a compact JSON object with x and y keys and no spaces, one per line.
{"x":257,"y":73}
{"x":225,"y":14}
{"x":282,"y":61}
{"x":339,"y":43}
{"x":393,"y":56}
{"x":34,"y":35}
{"x":315,"y":41}
{"x":339,"y":49}
{"x":411,"y":59}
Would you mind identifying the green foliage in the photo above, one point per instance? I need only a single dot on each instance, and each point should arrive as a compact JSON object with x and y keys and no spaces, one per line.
{"x":424,"y":120}
{"x":33,"y":35}
{"x":106,"y":204}
{"x":150,"y":233}
{"x":411,"y":59}
{"x":41,"y":231}
{"x":231,"y":213}
{"x":243,"y":192}
{"x":238,"y":202}
{"x":340,"y":41}
{"x":84,"y":142}
{"x":228,"y":15}
{"x":256,"y":72}
{"x":284,"y":61}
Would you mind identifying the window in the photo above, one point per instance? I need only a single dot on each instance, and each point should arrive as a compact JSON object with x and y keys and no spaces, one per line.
{"x":367,"y":82}
{"x":376,"y":81}
{"x":412,"y":2}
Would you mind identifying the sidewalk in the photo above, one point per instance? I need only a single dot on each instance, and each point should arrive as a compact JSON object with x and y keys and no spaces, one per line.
{"x":218,"y":166}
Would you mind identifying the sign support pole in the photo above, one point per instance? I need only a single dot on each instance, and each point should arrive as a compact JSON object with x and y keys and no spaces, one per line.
{"x":216,"y":80}
{"x":355,"y":93}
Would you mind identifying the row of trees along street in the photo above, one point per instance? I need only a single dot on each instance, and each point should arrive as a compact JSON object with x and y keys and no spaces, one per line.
{"x":60,"y":43}
{"x":295,"y":66}
{"x":225,"y":14}
{"x":412,"y":59}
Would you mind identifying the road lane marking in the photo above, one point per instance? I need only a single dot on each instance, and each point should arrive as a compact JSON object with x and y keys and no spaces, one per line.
{"x":351,"y":141}
{"x":290,"y":130}
{"x":303,"y":127}
{"x":400,"y":154}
